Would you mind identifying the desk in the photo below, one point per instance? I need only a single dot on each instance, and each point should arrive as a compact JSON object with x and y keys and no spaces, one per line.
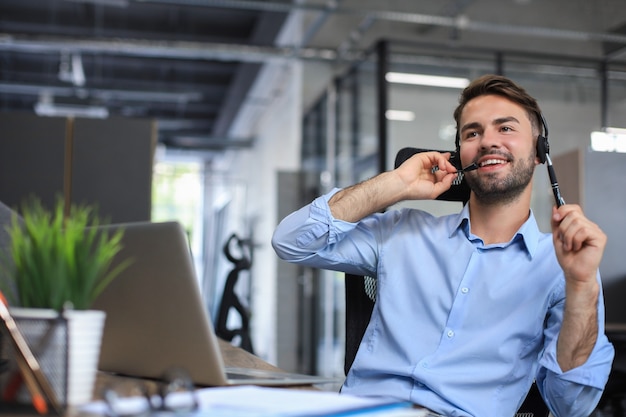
{"x":233,"y":356}
{"x":237,"y":357}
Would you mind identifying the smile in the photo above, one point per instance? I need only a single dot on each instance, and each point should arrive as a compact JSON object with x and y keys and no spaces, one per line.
{"x":489,"y":162}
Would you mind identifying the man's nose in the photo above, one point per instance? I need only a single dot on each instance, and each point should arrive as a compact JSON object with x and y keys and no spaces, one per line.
{"x":490,"y":139}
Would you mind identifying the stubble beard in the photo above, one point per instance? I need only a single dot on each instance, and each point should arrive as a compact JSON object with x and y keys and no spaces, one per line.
{"x":490,"y":189}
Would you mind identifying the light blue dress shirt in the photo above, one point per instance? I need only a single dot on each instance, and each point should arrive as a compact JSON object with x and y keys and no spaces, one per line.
{"x":460,"y":327}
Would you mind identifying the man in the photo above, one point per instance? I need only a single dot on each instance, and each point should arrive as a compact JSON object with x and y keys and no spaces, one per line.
{"x":471,"y":307}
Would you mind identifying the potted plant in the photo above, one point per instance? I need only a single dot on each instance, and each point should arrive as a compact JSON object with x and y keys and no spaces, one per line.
{"x":57,"y":265}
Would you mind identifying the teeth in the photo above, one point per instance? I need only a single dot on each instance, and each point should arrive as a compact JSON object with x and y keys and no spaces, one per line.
{"x":491,"y":162}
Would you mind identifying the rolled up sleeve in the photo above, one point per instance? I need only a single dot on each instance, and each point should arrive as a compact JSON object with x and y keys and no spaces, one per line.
{"x":576,"y":392}
{"x":309,"y":237}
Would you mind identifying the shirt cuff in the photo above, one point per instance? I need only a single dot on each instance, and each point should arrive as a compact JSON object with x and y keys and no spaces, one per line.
{"x":320,"y":212}
{"x":592,"y":373}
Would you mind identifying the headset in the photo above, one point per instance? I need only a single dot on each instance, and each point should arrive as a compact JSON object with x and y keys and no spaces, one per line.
{"x":543,"y":146}
{"x":542,"y":151}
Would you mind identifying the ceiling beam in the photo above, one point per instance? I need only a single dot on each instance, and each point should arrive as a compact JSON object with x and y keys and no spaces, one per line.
{"x":460,"y":22}
{"x":265,"y":32}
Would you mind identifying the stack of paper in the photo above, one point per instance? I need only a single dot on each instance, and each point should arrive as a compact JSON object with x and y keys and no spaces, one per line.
{"x":254,"y":401}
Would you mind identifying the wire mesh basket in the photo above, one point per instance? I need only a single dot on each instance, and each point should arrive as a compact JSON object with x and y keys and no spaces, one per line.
{"x":47,"y":336}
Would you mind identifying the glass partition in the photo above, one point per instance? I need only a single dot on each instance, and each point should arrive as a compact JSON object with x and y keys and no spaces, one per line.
{"x":616,"y":96}
{"x":357,"y":141}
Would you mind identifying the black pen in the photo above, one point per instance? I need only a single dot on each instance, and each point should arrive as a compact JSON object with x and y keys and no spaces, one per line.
{"x":555,"y":185}
{"x":468,"y":168}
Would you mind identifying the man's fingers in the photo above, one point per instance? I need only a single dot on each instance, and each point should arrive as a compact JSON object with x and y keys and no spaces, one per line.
{"x":574,"y":230}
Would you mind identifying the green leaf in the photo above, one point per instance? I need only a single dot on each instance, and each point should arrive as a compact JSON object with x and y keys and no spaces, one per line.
{"x":56,"y":259}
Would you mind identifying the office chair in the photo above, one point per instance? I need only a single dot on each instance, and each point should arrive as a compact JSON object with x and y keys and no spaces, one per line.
{"x":360,"y":296}
{"x":230,"y":300}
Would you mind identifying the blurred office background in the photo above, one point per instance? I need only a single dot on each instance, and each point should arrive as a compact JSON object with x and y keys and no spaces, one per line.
{"x":228,"y":115}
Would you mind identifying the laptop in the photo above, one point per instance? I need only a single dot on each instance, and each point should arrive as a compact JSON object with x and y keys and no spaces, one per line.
{"x":156,"y":319}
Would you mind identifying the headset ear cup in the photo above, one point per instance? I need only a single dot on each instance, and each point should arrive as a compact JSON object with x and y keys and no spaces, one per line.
{"x":543,"y":148}
{"x":455,"y":159}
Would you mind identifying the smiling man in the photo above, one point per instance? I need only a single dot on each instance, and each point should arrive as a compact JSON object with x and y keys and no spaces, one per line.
{"x":471,"y":307}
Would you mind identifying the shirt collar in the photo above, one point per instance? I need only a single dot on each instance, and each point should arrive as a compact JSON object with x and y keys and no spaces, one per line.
{"x":529,"y":232}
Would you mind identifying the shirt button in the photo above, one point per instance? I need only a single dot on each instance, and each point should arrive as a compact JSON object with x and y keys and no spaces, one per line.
{"x":464,"y":290}
{"x":450,"y":333}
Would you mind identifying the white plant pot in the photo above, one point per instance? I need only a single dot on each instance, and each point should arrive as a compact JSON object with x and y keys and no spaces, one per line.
{"x":79,"y":359}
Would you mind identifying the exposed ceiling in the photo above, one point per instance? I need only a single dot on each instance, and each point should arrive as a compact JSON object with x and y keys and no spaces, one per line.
{"x":190,"y":63}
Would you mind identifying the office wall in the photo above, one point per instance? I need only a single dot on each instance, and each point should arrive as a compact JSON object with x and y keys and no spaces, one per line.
{"x":112,"y":166}
{"x":273,"y":118}
{"x":260,"y":167}
{"x":107,"y":163}
{"x":32,"y":158}
{"x":595,"y":180}
{"x":288,"y":284}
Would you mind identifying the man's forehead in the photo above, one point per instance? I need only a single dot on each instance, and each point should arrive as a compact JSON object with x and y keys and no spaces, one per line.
{"x":493,"y":109}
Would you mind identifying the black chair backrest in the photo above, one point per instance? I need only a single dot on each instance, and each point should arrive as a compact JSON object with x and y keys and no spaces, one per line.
{"x":359,"y":307}
{"x":459,"y":192}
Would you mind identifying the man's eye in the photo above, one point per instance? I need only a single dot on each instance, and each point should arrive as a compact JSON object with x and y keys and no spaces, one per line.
{"x":506,"y":129}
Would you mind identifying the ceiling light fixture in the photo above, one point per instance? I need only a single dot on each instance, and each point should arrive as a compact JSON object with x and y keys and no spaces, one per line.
{"x":610,"y":139}
{"x":427,"y":80}
{"x":68,"y":110}
{"x":400,"y":115}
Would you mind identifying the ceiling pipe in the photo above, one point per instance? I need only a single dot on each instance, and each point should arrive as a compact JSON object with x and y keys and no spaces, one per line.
{"x":102,"y":94}
{"x":355,"y":36}
{"x":160,"y":49}
{"x":319,"y":22}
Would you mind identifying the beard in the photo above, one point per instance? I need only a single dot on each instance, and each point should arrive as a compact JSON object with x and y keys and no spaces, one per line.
{"x":489,"y":188}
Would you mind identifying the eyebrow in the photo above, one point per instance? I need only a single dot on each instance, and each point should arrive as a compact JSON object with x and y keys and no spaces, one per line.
{"x":495,"y":122}
{"x":472,"y":125}
{"x":503,"y":120}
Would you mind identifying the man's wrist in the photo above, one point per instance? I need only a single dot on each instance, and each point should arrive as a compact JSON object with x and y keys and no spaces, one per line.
{"x":370,"y":196}
{"x":582,"y":290}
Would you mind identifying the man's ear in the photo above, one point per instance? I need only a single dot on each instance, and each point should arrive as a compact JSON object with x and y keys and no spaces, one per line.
{"x":542,"y":149}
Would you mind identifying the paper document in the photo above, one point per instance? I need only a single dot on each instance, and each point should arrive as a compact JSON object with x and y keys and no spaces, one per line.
{"x":254,"y":401}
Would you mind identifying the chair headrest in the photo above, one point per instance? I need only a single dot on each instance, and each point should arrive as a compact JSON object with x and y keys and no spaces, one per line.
{"x":459,"y":192}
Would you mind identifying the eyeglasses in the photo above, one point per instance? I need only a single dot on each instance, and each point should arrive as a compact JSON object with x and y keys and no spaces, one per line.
{"x":172,"y":395}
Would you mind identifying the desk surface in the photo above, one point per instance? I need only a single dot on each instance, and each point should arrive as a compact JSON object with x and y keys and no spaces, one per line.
{"x":239,"y":358}
{"x":233,"y":357}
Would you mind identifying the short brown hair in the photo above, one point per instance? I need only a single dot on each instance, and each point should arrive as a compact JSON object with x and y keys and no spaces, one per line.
{"x":504,"y":87}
